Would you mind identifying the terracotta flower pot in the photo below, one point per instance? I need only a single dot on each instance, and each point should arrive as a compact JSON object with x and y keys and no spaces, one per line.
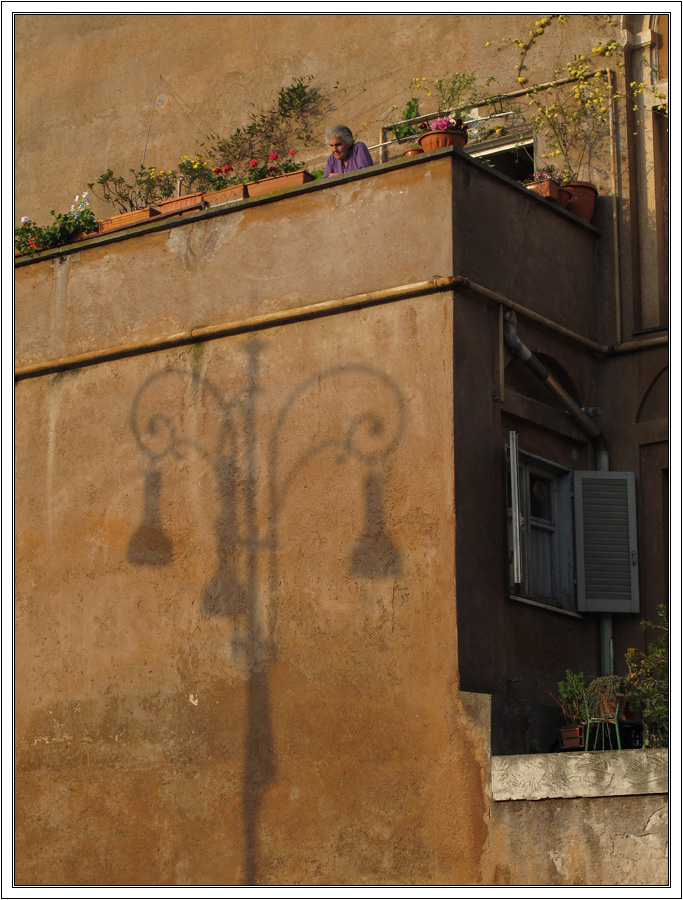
{"x":226,"y":195}
{"x":278,"y":182}
{"x":563,"y":197}
{"x":545,"y":188}
{"x":182,"y":203}
{"x":582,"y":201}
{"x":572,"y":736}
{"x":434,"y":140}
{"x":413,"y":151}
{"x":123,"y":220}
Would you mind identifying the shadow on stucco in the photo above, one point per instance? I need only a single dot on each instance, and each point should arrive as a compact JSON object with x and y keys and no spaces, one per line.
{"x":157,"y":417}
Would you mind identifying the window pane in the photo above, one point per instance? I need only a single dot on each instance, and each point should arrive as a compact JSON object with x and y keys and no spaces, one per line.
{"x":542,"y":562}
{"x":540,"y":497}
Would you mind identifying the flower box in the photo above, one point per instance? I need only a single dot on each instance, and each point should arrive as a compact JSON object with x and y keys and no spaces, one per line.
{"x":226,"y":195}
{"x":278,"y":182}
{"x":123,"y":220}
{"x":182,"y":203}
{"x":545,"y":188}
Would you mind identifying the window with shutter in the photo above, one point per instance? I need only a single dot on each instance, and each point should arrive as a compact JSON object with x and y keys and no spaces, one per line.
{"x":571,"y":535}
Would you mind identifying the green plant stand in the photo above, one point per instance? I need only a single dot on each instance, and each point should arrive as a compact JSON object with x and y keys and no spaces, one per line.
{"x":603,"y":724}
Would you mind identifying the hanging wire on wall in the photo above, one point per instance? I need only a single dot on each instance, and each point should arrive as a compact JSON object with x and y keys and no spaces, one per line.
{"x":179,"y":100}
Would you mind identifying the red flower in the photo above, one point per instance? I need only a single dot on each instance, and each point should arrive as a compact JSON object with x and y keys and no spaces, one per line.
{"x":272,"y":170}
{"x":227,"y":169}
{"x":218,"y":170}
{"x":253,"y":163}
{"x":273,"y":156}
{"x":291,"y":152}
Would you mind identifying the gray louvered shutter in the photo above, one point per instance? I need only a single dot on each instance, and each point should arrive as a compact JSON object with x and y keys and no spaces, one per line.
{"x":606,"y":546}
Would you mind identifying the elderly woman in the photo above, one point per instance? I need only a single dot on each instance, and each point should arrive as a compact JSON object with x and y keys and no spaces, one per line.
{"x":346,"y":154}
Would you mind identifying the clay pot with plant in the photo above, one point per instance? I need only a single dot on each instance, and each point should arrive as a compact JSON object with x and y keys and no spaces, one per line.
{"x":571,"y":698}
{"x":603,"y":695}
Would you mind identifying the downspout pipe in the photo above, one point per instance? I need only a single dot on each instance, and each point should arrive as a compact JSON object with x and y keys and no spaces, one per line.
{"x":520,"y":350}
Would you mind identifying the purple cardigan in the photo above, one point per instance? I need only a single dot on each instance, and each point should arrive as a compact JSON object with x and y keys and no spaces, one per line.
{"x":359,"y":158}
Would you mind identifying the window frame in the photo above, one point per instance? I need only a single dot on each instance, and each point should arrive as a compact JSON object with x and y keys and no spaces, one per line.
{"x":559,"y":526}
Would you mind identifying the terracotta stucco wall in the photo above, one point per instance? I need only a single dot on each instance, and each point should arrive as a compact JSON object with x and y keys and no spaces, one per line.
{"x":260,"y":676}
{"x":236,"y":647}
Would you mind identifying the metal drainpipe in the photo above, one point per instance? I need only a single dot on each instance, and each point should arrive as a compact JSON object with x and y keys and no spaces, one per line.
{"x":516,"y":346}
{"x":520,"y":349}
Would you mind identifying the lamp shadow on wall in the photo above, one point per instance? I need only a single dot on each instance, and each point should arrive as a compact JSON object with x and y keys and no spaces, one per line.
{"x":232,"y":591}
{"x":150,"y":545}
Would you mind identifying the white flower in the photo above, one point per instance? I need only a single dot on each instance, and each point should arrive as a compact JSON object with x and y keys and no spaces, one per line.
{"x":25,"y":219}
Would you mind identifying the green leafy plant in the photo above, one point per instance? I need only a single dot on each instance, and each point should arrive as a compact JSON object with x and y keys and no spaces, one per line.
{"x":455,"y":93}
{"x":197,"y":174}
{"x":571,"y":698}
{"x":571,"y":114}
{"x":602,"y":692}
{"x":290,"y":121}
{"x":29,"y":237}
{"x":648,"y":682}
{"x":146,"y":187}
{"x":410,"y":111}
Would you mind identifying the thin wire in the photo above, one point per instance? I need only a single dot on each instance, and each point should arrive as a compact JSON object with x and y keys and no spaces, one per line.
{"x":180,"y":101}
{"x":154,"y":102}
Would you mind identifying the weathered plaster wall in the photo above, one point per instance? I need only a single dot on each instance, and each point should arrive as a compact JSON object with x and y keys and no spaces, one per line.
{"x":613,"y":841}
{"x":252,"y":706}
{"x":319,"y":245}
{"x":236,"y":653}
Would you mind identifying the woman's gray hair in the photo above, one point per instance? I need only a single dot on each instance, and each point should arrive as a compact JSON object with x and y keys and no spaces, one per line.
{"x":342,"y":132}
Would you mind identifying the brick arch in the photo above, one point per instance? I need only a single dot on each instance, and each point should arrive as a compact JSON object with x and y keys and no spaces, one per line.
{"x":655,"y":401}
{"x":519,"y":379}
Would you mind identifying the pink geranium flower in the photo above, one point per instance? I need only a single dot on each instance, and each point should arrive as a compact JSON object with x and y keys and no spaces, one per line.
{"x":291,"y":152}
{"x":253,"y":163}
{"x":273,"y":156}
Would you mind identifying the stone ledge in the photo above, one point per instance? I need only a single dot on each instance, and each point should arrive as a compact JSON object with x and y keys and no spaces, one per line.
{"x":580,"y":774}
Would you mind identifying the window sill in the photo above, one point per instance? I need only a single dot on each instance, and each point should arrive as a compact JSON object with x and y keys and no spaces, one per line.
{"x":546,"y":606}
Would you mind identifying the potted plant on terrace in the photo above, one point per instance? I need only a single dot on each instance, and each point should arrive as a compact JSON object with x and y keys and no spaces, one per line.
{"x":570,"y":115}
{"x":275,"y":173}
{"x":135,"y":197}
{"x":547,"y":182}
{"x":413,"y":150}
{"x":647,"y":682}
{"x":443,"y":132}
{"x":571,"y":698}
{"x":603,"y":695}
{"x":70,"y":226}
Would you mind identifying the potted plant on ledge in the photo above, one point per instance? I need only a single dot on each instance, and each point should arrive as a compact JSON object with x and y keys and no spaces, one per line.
{"x":443,"y":132}
{"x":547,"y":182}
{"x":571,"y":698}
